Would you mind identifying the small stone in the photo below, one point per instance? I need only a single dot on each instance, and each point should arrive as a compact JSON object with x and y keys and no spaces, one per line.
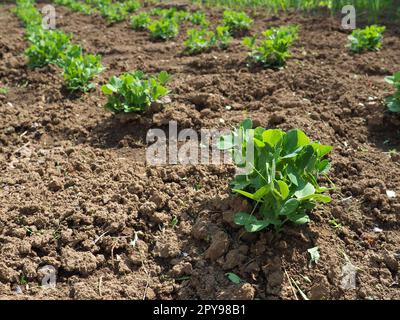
{"x":55,"y":185}
{"x":219,"y":246}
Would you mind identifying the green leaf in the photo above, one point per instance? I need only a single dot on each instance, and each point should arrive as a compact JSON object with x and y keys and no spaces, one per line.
{"x":250,"y":222}
{"x":242,"y":218}
{"x":273,"y":136}
{"x":289,"y":207}
{"x":259,"y":143}
{"x":247,"y":124}
{"x":307,"y":190}
{"x":305,"y":159}
{"x":256,"y":225}
{"x":324,"y":166}
{"x":108,"y":89}
{"x":300,"y":218}
{"x":293,"y":154}
{"x":295,"y":139}
{"x":163,"y":77}
{"x":245,"y":193}
{"x":233,"y":278}
{"x":322,"y":149}
{"x":393,"y":104}
{"x":283,"y":189}
{"x":261,"y":192}
{"x":317,"y":197}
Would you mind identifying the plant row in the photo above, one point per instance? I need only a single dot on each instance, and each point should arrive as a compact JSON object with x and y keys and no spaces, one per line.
{"x":270,"y":48}
{"x":55,"y":47}
{"x":111,"y":11}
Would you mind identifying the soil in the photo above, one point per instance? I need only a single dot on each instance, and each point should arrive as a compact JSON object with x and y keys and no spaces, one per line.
{"x":75,"y":188}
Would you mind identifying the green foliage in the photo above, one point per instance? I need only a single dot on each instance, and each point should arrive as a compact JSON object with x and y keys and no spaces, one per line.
{"x":199,"y":18}
{"x":79,"y":69}
{"x":273,"y":49}
{"x":54,"y":47}
{"x":199,"y":41}
{"x":393,"y":101}
{"x":164,"y":29}
{"x":158,"y":12}
{"x":131,"y":5}
{"x":99,"y":3}
{"x":46,"y":47}
{"x":233,"y":277}
{"x":134,"y":91}
{"x":27,"y":12}
{"x":370,"y":9}
{"x":140,"y":21}
{"x":281,"y":181}
{"x":3,"y":90}
{"x":369,"y":38}
{"x":76,"y":6}
{"x":181,"y":16}
{"x":172,"y":13}
{"x":113,"y":13}
{"x":236,"y":21}
{"x":223,"y":37}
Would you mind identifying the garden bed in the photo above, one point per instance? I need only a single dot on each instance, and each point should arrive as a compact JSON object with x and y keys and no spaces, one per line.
{"x":75,"y":188}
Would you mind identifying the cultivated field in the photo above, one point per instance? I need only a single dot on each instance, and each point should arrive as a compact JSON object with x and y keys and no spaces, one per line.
{"x":78,"y":194}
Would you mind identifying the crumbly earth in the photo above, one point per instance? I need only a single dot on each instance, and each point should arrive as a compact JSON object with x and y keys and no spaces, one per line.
{"x":75,"y":188}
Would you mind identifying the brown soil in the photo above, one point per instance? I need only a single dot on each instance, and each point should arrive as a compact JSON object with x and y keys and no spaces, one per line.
{"x":75,"y":187}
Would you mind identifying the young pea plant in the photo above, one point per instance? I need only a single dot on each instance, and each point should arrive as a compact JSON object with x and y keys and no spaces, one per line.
{"x":281,"y":179}
{"x":181,"y":16}
{"x":172,"y":13}
{"x":134,"y":91}
{"x":76,"y":6}
{"x":369,"y":38}
{"x":237,"y":22}
{"x":223,"y":37}
{"x":131,"y":5}
{"x":199,"y":18}
{"x":3,"y":90}
{"x":140,"y":21}
{"x":199,"y":41}
{"x":114,"y":12}
{"x":79,"y":69}
{"x":393,"y":101}
{"x":27,"y":12}
{"x":164,"y":29}
{"x":46,"y":46}
{"x":273,"y":49}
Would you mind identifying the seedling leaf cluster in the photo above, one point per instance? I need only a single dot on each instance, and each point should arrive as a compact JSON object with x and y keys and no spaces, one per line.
{"x":393,"y":101}
{"x":164,"y":29}
{"x":198,"y":41}
{"x":134,"y":91}
{"x":272,"y":50}
{"x":55,"y":47}
{"x":367,"y":39}
{"x":236,"y":21}
{"x":140,"y":21}
{"x":282,"y":181}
